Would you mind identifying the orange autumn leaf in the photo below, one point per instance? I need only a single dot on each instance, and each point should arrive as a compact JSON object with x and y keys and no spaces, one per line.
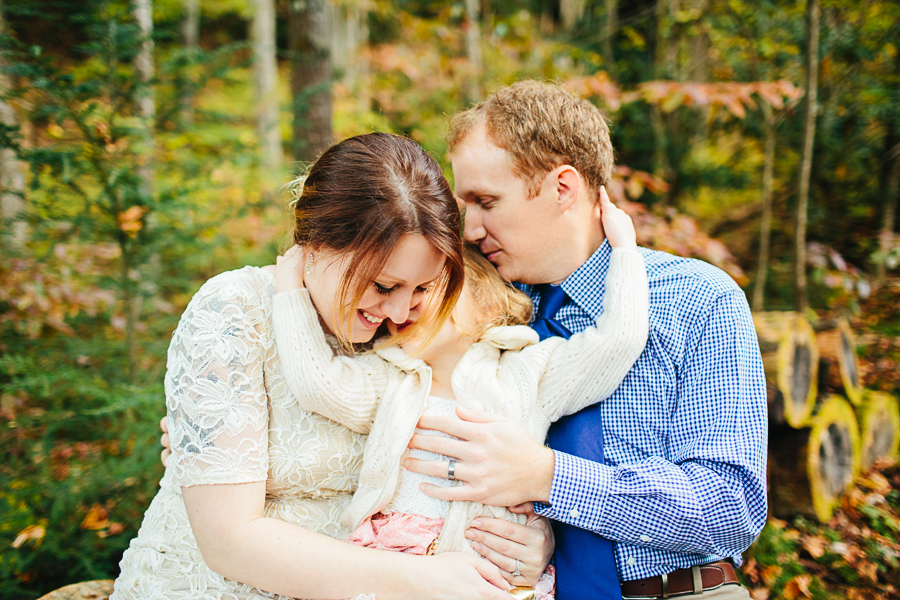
{"x":96,"y":518}
{"x":130,"y":220}
{"x":798,"y":587}
{"x":32,"y":532}
{"x":770,"y":574}
{"x":815,"y":546}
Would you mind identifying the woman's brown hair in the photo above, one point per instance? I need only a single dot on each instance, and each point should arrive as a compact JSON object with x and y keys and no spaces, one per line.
{"x":360,"y":197}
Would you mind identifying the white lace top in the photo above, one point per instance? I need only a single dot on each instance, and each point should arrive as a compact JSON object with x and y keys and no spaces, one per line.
{"x":233,"y":420}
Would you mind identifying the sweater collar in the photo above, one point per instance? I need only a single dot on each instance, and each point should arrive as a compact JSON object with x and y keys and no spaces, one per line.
{"x":512,"y":337}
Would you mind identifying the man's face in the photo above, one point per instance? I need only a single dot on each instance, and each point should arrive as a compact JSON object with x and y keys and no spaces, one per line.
{"x":514,"y":232}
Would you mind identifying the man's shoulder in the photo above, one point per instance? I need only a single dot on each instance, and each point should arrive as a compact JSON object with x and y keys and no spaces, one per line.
{"x":670,"y":274}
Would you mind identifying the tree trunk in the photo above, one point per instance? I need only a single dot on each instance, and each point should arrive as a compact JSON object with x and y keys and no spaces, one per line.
{"x":358,"y":67}
{"x":190,"y":38}
{"x":144,"y":95}
{"x":265,"y":77}
{"x":801,"y":297}
{"x":610,"y":27}
{"x":891,"y":191}
{"x":473,"y":51}
{"x":309,"y":30}
{"x":809,"y":469}
{"x":145,"y":102}
{"x":765,"y":225}
{"x":12,"y":172}
{"x":570,"y":12}
{"x":790,"y":356}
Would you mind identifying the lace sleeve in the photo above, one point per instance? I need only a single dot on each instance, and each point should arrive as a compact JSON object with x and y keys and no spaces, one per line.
{"x":215,"y":391}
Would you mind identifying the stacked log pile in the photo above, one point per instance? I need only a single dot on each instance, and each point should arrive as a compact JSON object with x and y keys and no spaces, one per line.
{"x":824,"y":428}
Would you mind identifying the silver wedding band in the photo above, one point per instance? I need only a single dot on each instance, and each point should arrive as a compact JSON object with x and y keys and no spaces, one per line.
{"x":517,"y":572}
{"x":451,"y":470}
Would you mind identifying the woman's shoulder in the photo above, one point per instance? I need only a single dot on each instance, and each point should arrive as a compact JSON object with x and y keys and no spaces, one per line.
{"x":241,"y":291}
{"x":252,"y":284}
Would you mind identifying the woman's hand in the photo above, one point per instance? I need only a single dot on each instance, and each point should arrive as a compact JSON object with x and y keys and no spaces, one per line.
{"x":502,"y":543}
{"x":289,"y":270}
{"x":164,"y":440}
{"x":458,"y":576}
{"x":617,"y":225}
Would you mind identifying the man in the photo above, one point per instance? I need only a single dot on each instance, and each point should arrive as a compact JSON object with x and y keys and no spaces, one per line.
{"x":672,"y":467}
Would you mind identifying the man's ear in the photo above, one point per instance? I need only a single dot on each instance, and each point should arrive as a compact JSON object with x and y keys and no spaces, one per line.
{"x":568,"y":186}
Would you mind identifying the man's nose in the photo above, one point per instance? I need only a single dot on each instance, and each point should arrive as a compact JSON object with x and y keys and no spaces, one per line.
{"x":473,"y":227}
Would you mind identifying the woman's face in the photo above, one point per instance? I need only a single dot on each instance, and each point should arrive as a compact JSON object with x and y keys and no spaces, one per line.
{"x":395,"y":294}
{"x":466,"y":317}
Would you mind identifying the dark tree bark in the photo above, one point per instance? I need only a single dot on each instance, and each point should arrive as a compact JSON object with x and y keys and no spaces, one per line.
{"x":309,"y":33}
{"x":801,"y":296}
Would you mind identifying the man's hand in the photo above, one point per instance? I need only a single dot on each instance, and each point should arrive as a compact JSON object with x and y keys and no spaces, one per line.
{"x":164,"y":440}
{"x":502,"y":542}
{"x":499,"y":462}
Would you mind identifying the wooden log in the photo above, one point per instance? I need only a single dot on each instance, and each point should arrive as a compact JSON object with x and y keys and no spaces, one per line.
{"x":791,"y":361}
{"x":85,"y":590}
{"x":810,"y":468}
{"x":879,"y":427}
{"x":838,"y":365}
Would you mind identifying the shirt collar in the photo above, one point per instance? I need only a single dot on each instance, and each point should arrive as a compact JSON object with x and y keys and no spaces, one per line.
{"x":587,"y":284}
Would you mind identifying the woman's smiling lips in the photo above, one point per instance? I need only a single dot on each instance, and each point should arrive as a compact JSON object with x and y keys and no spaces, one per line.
{"x":368,"y":319}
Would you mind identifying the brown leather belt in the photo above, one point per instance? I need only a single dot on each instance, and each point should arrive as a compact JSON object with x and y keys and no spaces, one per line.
{"x":694,"y":580}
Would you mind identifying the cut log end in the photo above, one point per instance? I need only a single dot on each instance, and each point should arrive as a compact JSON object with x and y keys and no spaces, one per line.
{"x":839,"y":367}
{"x":879,"y":426}
{"x":791,"y":360}
{"x":810,"y":468}
{"x":100,"y":589}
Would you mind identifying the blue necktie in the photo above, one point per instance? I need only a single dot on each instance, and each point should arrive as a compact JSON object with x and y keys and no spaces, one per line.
{"x":552,"y":299}
{"x":585,"y":561}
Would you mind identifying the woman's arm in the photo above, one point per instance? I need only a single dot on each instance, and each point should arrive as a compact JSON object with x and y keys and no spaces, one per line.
{"x":238,"y":542}
{"x":591,"y":364}
{"x":344,"y":389}
{"x":218,"y":424}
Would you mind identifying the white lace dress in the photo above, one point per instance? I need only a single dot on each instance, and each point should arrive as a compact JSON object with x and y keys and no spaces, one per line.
{"x":233,"y":420}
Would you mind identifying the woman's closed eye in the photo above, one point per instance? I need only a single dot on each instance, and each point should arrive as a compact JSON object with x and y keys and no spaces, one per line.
{"x":384,"y":290}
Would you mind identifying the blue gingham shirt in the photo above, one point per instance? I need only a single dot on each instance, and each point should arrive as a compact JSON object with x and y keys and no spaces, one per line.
{"x":683,"y":480}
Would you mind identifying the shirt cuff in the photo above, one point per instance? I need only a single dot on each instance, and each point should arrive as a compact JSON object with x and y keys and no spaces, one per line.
{"x":577,"y":493}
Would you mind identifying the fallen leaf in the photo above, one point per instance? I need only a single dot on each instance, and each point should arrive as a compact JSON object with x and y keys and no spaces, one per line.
{"x":32,"y":532}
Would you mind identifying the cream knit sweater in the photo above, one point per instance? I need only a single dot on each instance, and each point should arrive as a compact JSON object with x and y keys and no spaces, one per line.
{"x":508,"y":372}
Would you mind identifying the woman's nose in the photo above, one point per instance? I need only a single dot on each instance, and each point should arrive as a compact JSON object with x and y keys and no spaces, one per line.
{"x":397,"y":307}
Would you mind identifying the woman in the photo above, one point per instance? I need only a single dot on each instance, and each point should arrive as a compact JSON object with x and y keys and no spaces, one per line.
{"x":255,"y":486}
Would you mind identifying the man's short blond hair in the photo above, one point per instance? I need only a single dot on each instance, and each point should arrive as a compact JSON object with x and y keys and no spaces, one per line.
{"x":543,"y":127}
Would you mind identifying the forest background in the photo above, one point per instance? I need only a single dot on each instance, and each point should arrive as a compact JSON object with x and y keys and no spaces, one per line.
{"x":145,"y":148}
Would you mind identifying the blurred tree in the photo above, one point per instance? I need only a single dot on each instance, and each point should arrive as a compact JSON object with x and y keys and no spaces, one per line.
{"x":265,"y":77}
{"x":309,"y":35}
{"x":472,"y":27}
{"x":801,"y":294}
{"x":190,"y":39}
{"x":12,"y":171}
